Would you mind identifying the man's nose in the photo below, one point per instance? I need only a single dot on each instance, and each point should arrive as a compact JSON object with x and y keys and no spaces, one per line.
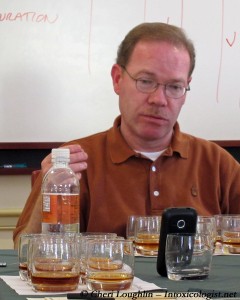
{"x":158,"y":97}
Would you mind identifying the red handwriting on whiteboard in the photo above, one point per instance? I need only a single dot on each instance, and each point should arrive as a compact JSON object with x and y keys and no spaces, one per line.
{"x":27,"y":17}
{"x":233,"y":40}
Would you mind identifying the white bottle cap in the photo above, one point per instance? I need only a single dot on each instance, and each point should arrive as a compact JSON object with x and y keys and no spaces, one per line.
{"x":60,"y":152}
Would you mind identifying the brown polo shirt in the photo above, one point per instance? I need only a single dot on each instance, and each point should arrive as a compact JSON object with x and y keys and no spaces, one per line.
{"x":120,"y":182}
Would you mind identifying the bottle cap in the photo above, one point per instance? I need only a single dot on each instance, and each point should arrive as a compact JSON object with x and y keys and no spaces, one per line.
{"x":60,"y":152}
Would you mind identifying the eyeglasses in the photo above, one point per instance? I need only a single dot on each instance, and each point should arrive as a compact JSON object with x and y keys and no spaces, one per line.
{"x":148,"y":86}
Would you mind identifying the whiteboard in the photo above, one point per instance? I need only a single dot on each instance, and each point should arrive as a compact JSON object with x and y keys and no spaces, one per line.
{"x":56,"y":57}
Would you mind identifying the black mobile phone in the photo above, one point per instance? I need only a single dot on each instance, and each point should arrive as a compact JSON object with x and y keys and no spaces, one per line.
{"x":174,"y":220}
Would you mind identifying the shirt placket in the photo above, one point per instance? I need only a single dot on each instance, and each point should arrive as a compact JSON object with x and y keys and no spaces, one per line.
{"x":155,"y":188}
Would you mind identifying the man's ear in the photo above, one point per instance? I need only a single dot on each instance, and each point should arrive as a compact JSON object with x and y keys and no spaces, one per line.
{"x":116,"y":74}
{"x":189,"y":80}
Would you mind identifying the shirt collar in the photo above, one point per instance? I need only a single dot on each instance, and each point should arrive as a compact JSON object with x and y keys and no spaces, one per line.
{"x":120,"y":150}
{"x":179,"y":143}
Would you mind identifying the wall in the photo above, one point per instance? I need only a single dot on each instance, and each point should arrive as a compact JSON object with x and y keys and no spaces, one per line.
{"x":56,"y":56}
{"x":14,"y":191}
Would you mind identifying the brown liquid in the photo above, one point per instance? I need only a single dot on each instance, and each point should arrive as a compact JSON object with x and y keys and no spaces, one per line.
{"x":218,"y":240}
{"x":23,"y":266}
{"x":57,"y":266}
{"x":147,"y":244}
{"x":55,"y":281}
{"x":104,"y":263}
{"x":231,"y":242}
{"x":109,"y":281}
{"x":231,"y":238}
{"x":23,"y":271}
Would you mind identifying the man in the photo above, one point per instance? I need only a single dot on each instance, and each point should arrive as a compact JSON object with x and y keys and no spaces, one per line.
{"x":144,"y":163}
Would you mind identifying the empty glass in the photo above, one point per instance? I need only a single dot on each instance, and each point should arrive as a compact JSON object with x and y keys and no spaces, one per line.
{"x":188,"y":256}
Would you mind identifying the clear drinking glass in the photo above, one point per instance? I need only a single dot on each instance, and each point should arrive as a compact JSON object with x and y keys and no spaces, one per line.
{"x":54,"y":263}
{"x":83,"y":239}
{"x":218,"y":220}
{"x":208,"y":223}
{"x":147,"y":232}
{"x":130,"y":229}
{"x":23,"y":255}
{"x":188,"y":256}
{"x":109,"y":265}
{"x":231,"y":234}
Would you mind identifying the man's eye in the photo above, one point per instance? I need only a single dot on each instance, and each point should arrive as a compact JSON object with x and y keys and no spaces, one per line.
{"x":174,"y":87}
{"x":146,"y":82}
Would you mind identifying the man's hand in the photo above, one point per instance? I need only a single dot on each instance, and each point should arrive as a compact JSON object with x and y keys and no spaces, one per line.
{"x":77,"y":160}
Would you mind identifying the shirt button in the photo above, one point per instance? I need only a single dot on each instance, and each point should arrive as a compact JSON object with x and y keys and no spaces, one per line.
{"x":156,"y":193}
{"x":154,"y":169}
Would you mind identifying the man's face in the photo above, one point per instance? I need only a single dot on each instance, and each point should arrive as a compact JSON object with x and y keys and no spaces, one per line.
{"x":149,"y":118}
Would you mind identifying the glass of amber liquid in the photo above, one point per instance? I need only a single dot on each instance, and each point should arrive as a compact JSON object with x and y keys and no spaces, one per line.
{"x":109,"y":264}
{"x":231,"y":234}
{"x":54,"y":263}
{"x":130,"y":228}
{"x":25,"y":240}
{"x":83,"y":239}
{"x":147,"y":232}
{"x":218,"y":220}
{"x":23,"y":255}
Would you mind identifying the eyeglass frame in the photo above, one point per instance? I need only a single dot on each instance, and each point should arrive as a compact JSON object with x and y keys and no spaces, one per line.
{"x":185,"y":89}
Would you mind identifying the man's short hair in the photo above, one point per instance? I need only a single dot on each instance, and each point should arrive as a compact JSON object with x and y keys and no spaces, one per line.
{"x":155,"y":32}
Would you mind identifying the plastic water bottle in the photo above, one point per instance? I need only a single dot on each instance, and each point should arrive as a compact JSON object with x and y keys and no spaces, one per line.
{"x":60,"y":196}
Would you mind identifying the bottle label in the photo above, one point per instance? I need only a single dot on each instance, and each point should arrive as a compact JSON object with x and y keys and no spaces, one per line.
{"x":46,"y":203}
{"x":50,"y":208}
{"x":60,"y":208}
